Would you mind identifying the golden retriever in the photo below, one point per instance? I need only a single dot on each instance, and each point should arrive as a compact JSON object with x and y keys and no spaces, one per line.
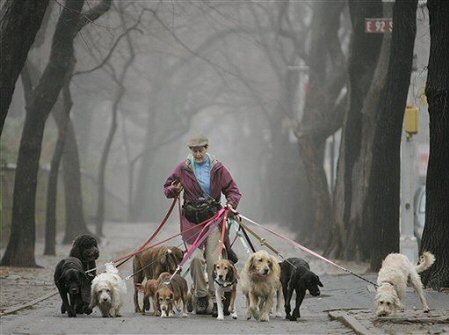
{"x":260,"y":280}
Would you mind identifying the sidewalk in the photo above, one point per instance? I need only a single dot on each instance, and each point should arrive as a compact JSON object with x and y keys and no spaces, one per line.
{"x":343,"y":298}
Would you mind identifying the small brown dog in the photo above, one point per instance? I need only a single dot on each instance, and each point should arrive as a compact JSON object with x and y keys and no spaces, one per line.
{"x":151,"y":263}
{"x":149,"y":289}
{"x":171,"y":294}
{"x":225,"y":276}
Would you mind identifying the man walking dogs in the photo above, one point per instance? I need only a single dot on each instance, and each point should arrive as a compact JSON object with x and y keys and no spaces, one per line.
{"x":203,"y":179}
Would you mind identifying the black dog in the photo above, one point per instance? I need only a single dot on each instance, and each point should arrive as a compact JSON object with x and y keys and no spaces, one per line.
{"x":85,"y":248}
{"x":296,"y":275}
{"x":71,"y":280}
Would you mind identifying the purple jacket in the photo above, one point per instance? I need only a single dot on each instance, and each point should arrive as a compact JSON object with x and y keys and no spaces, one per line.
{"x":220,"y":182}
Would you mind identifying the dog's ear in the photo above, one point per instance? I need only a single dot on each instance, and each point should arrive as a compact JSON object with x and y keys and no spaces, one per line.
{"x":163,"y":258}
{"x":236,"y":273}
{"x":251,"y":262}
{"x":171,"y":295}
{"x":319,"y":283}
{"x":232,"y":273}
{"x":214,"y":271}
{"x":396,"y":302}
{"x":114,"y":292}
{"x":179,"y":254}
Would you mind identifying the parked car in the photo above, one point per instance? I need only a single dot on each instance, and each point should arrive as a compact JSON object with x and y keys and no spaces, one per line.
{"x":419,"y":217}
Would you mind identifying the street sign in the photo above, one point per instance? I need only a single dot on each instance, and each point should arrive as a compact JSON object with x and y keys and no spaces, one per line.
{"x":378,"y":25}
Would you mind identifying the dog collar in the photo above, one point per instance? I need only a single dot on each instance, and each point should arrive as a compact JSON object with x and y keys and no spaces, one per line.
{"x":387,"y":282}
{"x":225,"y":284}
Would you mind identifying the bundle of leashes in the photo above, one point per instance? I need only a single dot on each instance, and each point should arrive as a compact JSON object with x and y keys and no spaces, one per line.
{"x":241,"y":231}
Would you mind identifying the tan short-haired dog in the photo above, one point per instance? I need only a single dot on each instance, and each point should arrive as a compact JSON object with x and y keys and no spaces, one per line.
{"x":225,"y":276}
{"x":260,"y":280}
{"x":149,"y":289}
{"x":151,"y":263}
{"x":171,"y":294}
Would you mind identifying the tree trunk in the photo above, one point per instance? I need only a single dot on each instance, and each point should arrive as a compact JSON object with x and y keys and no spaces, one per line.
{"x":20,"y":249}
{"x":384,"y":182}
{"x":325,"y":84}
{"x":74,"y":213}
{"x":61,"y":115}
{"x":436,"y":231}
{"x":362,"y":62}
{"x":17,"y":18}
{"x":99,"y":217}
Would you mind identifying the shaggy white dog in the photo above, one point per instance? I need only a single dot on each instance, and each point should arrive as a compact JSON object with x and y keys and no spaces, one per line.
{"x":392,"y":281}
{"x":107,"y":292}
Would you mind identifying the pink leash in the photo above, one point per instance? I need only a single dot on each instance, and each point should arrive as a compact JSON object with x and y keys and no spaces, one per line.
{"x":303,"y":248}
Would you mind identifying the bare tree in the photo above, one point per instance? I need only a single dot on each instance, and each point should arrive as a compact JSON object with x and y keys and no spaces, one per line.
{"x":118,"y":77}
{"x":20,"y":249}
{"x":348,"y":238}
{"x":327,"y":78}
{"x":17,"y":18}
{"x":382,"y":207}
{"x":436,"y":231}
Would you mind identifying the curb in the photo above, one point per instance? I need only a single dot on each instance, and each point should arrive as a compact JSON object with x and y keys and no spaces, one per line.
{"x":16,"y":308}
{"x":353,"y":323}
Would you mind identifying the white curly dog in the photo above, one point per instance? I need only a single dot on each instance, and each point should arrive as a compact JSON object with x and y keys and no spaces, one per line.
{"x":392,"y":281}
{"x":107,"y":292}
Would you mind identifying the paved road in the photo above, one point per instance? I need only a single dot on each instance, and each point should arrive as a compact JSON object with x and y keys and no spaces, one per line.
{"x":342,"y":291}
{"x":45,"y":318}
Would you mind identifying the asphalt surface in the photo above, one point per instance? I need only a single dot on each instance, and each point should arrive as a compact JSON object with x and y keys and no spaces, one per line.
{"x":339,"y":292}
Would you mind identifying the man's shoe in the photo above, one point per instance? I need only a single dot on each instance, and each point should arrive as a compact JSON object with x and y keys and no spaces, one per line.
{"x":202,"y":303}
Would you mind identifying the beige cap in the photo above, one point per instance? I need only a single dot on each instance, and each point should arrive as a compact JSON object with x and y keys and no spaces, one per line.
{"x":198,"y":141}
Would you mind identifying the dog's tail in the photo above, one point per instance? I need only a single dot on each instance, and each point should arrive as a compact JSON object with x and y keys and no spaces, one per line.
{"x":110,"y":268}
{"x":425,"y":261}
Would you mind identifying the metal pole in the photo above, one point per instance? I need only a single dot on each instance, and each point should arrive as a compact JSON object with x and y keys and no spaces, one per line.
{"x":408,"y":244}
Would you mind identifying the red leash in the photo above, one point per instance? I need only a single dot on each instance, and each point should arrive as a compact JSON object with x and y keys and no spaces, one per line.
{"x":158,"y":229}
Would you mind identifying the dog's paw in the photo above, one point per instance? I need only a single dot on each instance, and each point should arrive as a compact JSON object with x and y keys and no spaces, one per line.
{"x":220,"y":317}
{"x":88,"y":310}
{"x":293,"y":318}
{"x":426,"y":309}
{"x":184,"y":315}
{"x":234,"y":315}
{"x":71,"y":313}
{"x":264,"y":317}
{"x":279,"y":315}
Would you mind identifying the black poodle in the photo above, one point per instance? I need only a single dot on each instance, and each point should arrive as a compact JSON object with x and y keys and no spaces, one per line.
{"x":296,"y":275}
{"x":85,"y":248}
{"x":71,"y":281}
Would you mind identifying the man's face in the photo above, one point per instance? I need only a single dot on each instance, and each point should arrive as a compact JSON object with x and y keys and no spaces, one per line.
{"x":199,"y":153}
